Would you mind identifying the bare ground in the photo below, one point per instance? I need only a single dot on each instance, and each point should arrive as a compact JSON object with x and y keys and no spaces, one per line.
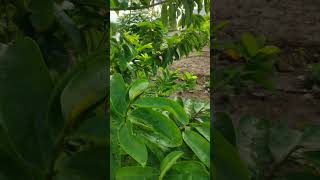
{"x":290,"y":101}
{"x":199,"y":64}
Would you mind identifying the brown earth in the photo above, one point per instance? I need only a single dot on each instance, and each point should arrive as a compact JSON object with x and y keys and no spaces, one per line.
{"x":199,"y":64}
{"x":290,"y":102}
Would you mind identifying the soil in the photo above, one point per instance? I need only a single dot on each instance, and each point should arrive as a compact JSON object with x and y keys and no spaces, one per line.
{"x":290,"y":102}
{"x":199,"y":64}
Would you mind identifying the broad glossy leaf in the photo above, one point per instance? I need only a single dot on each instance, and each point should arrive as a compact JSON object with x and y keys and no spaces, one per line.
{"x":156,"y":138}
{"x":188,"y":170}
{"x":168,"y":162}
{"x":115,"y":156}
{"x":252,"y":143}
{"x":137,"y":173}
{"x":86,"y":88}
{"x":42,"y":15}
{"x":166,"y":104}
{"x":137,"y":88}
{"x":226,"y":159}
{"x":94,"y":129}
{"x":157,"y":149}
{"x":283,"y":140}
{"x":118,"y":94}
{"x":132,"y":145}
{"x":167,"y":130}
{"x":54,"y":114}
{"x":199,"y":145}
{"x":84,"y":165}
{"x":204,"y":130}
{"x":223,"y":123}
{"x":24,"y":95}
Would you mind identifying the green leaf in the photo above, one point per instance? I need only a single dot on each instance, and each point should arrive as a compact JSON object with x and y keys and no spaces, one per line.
{"x":42,"y":15}
{"x":250,"y":43}
{"x":204,"y":130}
{"x":70,"y":28}
{"x":252,"y":143}
{"x":310,"y":138}
{"x":156,"y":148}
{"x":164,"y":14}
{"x":84,"y":165}
{"x":269,"y":50}
{"x":166,"y":104}
{"x":9,"y":167}
{"x":168,"y":162}
{"x":313,"y":156}
{"x":54,"y":114}
{"x":118,"y":94}
{"x":164,"y":127}
{"x":188,"y":170}
{"x":137,"y":173}
{"x":219,"y":26}
{"x":172,"y":16}
{"x":283,"y":140}
{"x":137,"y":88}
{"x":223,"y":123}
{"x":93,"y":129}
{"x":86,"y":88}
{"x":132,"y":145}
{"x":198,"y":145}
{"x":207,"y":6}
{"x":226,"y":159}
{"x":24,"y":96}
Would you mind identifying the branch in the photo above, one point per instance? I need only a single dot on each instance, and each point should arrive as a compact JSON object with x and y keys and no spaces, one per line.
{"x":141,"y":7}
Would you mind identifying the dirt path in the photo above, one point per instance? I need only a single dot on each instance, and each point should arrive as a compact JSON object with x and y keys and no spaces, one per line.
{"x":290,"y":101}
{"x":199,"y":64}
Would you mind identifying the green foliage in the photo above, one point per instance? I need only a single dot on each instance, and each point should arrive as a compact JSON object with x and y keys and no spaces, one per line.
{"x":40,"y":120}
{"x":146,"y":46}
{"x":151,"y":138}
{"x":189,"y":80}
{"x":258,"y":67}
{"x":71,"y":27}
{"x":266,"y":150}
{"x":156,"y":132}
{"x":159,"y":34}
{"x":127,"y":21}
{"x":166,"y":83}
{"x":54,"y":73}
